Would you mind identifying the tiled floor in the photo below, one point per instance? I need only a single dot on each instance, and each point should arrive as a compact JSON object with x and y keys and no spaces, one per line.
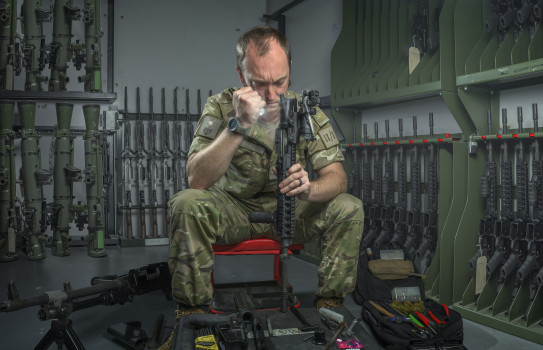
{"x":23,"y":330}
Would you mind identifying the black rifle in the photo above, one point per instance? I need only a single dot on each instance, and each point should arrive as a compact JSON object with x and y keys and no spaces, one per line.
{"x":504,"y":15}
{"x":366,"y":182}
{"x":141,"y":153}
{"x":414,"y":215}
{"x":430,"y":234}
{"x":354,"y":176}
{"x":489,"y":190}
{"x":534,"y":262}
{"x":421,"y":26}
{"x":104,"y":290}
{"x":152,"y":168}
{"x":387,"y":211}
{"x":126,"y":160}
{"x":517,"y":235}
{"x":400,"y":213}
{"x":502,"y":226}
{"x":164,"y":155}
{"x":525,"y":12}
{"x":178,"y":153}
{"x":375,"y":209}
{"x":189,"y":134}
{"x":294,"y":123}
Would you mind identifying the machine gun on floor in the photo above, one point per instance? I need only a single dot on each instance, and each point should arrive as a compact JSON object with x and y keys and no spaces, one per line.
{"x":104,"y":290}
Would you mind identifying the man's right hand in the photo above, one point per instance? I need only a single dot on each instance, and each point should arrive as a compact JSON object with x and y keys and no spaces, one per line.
{"x":247,"y":103}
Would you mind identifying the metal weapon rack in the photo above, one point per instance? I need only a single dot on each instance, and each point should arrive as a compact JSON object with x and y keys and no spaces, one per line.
{"x":152,"y":154}
{"x":464,"y":53}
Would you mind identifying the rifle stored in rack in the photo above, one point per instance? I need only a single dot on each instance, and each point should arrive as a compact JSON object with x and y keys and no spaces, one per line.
{"x":377,"y":204}
{"x":366,"y":181}
{"x":400,"y":212}
{"x":354,"y":176}
{"x":519,"y":244}
{"x":414,"y":215}
{"x":502,"y":226}
{"x":430,"y":234}
{"x":489,"y":191}
{"x":387,"y":210}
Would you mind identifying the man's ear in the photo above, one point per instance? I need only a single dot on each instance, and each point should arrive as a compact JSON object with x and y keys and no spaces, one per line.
{"x":241,"y":76}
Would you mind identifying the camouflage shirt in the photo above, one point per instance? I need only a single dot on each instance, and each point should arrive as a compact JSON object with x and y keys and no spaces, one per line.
{"x":250,"y":177}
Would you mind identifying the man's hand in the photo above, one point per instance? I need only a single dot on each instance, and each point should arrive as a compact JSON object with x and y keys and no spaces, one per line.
{"x":247,"y":103}
{"x":296,"y":183}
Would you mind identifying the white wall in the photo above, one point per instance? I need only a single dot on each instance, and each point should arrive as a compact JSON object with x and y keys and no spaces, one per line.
{"x":312,"y":28}
{"x":184,"y":44}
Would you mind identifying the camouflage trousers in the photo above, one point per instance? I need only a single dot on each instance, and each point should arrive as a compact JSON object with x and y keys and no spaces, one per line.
{"x":201,"y":218}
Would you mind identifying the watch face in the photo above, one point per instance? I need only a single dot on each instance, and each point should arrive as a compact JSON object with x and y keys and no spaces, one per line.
{"x":233,"y":124}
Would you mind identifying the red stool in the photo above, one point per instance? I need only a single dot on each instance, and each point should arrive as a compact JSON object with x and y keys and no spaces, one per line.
{"x":259,"y":246}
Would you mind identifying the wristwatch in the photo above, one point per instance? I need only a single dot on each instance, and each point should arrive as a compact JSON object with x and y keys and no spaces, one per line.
{"x":234,"y":126}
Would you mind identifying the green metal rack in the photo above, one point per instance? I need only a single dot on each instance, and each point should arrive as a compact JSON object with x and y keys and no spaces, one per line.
{"x":468,"y":70}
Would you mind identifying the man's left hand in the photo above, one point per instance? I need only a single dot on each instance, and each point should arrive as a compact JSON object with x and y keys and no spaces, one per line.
{"x":296,"y":183}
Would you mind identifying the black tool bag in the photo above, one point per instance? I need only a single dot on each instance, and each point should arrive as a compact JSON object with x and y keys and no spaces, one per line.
{"x":369,"y":287}
{"x":405,"y":335}
{"x":376,"y":281}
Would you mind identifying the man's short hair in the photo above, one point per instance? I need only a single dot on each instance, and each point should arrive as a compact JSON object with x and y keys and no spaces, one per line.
{"x":260,"y":37}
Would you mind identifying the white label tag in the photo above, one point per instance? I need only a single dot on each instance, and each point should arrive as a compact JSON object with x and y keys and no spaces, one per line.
{"x":414,"y":58}
{"x":480,"y":274}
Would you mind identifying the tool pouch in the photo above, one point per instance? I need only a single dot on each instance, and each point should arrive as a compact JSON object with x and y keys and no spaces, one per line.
{"x":377,"y":278}
{"x":406,"y":335}
{"x":383,"y":281}
{"x":391,"y":269}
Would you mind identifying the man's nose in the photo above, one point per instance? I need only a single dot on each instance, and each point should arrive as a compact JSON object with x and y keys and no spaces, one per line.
{"x":270,"y":93}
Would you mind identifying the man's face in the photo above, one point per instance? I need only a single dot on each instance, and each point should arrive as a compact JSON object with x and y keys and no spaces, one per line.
{"x":269,"y":75}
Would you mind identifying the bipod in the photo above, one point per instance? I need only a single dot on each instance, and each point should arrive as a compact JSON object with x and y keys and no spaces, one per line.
{"x":62,"y":334}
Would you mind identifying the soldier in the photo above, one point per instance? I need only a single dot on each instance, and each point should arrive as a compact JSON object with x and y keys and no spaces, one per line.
{"x":231,"y":172}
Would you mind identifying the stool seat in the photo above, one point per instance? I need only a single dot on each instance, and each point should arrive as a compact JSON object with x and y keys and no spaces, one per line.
{"x":254,"y":246}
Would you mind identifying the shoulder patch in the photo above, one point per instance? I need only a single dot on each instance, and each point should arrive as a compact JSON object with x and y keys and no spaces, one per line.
{"x":328,"y":137}
{"x":209,"y":127}
{"x":320,"y":118}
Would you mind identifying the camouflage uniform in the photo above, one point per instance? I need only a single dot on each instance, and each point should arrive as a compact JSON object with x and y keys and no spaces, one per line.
{"x":219,"y":215}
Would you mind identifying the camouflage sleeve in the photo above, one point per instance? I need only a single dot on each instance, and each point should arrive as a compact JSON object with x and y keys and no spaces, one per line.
{"x":210,"y":124}
{"x":325,"y":149}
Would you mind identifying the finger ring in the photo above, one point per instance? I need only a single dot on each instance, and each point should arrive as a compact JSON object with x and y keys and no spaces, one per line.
{"x":301,"y":183}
